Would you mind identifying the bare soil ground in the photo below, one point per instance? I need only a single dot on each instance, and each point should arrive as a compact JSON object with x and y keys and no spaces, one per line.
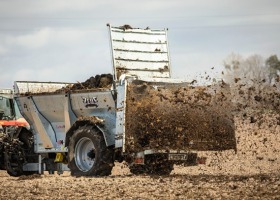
{"x":253,"y":172}
{"x":123,"y":185}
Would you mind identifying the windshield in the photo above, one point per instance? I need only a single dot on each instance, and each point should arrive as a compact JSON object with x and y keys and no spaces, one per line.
{"x":5,"y":107}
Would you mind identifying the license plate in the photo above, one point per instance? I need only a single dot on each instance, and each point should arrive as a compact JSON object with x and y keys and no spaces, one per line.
{"x":177,"y":156}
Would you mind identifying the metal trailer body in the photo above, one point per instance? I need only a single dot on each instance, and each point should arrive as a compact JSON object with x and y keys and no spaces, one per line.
{"x":52,"y":114}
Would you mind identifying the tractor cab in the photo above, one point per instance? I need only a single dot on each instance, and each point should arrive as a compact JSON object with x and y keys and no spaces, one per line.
{"x":7,"y":111}
{"x":10,"y":117}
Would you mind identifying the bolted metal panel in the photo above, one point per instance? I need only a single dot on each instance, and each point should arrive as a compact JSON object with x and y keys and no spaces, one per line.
{"x":140,"y":52}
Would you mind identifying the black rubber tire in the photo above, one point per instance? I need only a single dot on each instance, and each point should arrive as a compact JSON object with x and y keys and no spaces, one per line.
{"x":26,"y":137}
{"x":103,"y":155}
{"x":2,"y":159}
{"x":27,"y":149}
{"x":14,"y":169}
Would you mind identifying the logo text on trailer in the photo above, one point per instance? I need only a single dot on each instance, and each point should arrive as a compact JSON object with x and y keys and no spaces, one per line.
{"x":90,"y":101}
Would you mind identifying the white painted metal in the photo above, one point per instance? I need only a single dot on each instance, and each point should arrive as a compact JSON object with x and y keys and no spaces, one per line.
{"x":164,"y":80}
{"x":40,"y":170}
{"x":141,"y":66}
{"x":140,"y":52}
{"x":150,"y":74}
{"x":120,"y":115}
{"x":39,"y":124}
{"x":25,"y":87}
{"x":6,"y":91}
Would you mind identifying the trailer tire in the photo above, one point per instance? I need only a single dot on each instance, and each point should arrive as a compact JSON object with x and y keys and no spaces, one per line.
{"x":88,"y":154}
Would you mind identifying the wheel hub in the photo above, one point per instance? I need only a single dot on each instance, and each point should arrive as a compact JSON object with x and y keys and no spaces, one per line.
{"x":84,"y":154}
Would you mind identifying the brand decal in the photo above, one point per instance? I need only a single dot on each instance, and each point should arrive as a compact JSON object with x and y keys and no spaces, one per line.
{"x":90,"y":102}
{"x":60,"y":126}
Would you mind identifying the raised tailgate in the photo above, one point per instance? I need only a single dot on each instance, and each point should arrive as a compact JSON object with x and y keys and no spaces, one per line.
{"x":139,"y":52}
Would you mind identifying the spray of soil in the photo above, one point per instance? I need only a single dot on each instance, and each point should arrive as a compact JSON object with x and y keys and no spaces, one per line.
{"x":257,"y":128}
{"x":179,"y":117}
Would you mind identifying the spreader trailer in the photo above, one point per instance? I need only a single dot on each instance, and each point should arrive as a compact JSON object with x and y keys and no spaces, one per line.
{"x":144,"y":117}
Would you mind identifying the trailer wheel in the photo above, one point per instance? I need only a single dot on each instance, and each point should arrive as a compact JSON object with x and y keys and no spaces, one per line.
{"x":88,"y":153}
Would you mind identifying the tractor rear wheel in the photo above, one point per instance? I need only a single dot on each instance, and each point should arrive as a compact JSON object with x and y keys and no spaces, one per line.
{"x":18,"y":152}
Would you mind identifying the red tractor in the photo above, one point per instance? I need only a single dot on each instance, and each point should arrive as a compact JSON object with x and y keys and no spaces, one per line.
{"x":15,"y":138}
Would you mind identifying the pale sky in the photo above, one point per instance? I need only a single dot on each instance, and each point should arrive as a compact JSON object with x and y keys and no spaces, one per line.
{"x":68,"y":40}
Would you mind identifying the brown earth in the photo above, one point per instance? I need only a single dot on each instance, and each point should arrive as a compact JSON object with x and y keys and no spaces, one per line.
{"x":191,"y":183}
{"x":97,"y":81}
